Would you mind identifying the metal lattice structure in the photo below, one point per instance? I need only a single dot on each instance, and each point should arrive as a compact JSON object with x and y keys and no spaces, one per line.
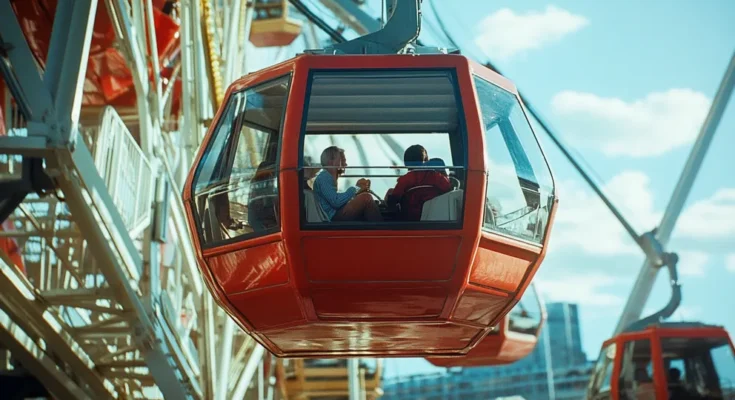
{"x":101,"y":297}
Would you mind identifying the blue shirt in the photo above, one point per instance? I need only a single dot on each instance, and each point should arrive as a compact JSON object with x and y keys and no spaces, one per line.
{"x":325,"y":188}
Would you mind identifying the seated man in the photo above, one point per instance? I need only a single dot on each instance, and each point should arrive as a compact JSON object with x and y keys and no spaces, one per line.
{"x":351,"y":205}
{"x":418,"y":185}
{"x":677,"y":390}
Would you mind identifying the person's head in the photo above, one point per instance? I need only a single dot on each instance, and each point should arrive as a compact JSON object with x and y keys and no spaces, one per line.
{"x":438,"y":162}
{"x":641,"y":375}
{"x":333,"y":156}
{"x":415,"y":155}
{"x":674,"y":374}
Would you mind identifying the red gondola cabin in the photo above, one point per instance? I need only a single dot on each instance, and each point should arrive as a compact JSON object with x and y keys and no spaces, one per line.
{"x":306,"y":278}
{"x":512,"y":339}
{"x":271,"y":24}
{"x":676,"y":361}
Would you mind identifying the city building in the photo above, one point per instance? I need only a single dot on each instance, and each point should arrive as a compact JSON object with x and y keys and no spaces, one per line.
{"x":557,"y":369}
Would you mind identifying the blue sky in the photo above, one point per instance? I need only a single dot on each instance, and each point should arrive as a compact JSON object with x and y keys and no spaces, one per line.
{"x":627,"y":84}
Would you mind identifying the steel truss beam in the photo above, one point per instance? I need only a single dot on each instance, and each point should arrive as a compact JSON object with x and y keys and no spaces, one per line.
{"x":34,"y":359}
{"x":84,"y":190}
{"x":20,"y":304}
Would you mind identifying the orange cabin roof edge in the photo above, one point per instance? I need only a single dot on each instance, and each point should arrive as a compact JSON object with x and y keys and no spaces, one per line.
{"x":357,"y":61}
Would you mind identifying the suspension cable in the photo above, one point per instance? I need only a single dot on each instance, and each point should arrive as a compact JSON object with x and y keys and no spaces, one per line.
{"x":333,"y":34}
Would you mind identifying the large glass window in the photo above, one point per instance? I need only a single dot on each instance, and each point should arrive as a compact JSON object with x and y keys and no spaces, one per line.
{"x":600,"y":385}
{"x":526,"y":316}
{"x":699,"y":367}
{"x":724,"y":363}
{"x":373,"y":122}
{"x":520,"y":190}
{"x":636,"y":374}
{"x":268,"y":9}
{"x":235,"y":185}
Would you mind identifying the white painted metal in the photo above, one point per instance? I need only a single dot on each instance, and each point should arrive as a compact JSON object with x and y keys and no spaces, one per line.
{"x":247,"y":375}
{"x":353,"y":378}
{"x":126,"y":171}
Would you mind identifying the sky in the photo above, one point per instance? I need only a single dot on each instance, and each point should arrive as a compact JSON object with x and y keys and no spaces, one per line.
{"x":627,"y":84}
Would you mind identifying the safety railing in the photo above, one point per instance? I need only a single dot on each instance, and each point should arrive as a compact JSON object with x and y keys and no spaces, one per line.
{"x":125,"y":170}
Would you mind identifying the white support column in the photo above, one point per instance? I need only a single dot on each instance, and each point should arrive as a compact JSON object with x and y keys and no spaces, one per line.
{"x":647,"y":275}
{"x":131,"y":36}
{"x":75,"y":52}
{"x":231,"y":40}
{"x":261,"y":381}
{"x":240,"y":67}
{"x":247,"y":375}
{"x":23,"y":78}
{"x":548,"y":363}
{"x":188,"y":101}
{"x":57,"y":46}
{"x":157,"y":92}
{"x":225,"y":354}
{"x":353,"y":379}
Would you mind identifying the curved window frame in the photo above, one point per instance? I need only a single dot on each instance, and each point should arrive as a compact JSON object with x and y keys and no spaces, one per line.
{"x":197,"y":217}
{"x":627,"y":380}
{"x":603,"y":374}
{"x":524,"y":160}
{"x":462,"y":129}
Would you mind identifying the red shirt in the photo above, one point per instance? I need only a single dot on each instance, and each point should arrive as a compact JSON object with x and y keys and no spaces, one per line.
{"x":417,"y":187}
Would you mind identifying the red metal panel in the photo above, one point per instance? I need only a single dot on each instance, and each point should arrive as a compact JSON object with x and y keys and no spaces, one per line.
{"x":270,"y":307}
{"x":374,"y":338}
{"x":480,"y":307}
{"x":374,"y":301}
{"x":368,"y":258}
{"x":500,"y":265}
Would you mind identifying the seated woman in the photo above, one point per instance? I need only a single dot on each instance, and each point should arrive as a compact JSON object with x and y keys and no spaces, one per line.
{"x":418,"y":185}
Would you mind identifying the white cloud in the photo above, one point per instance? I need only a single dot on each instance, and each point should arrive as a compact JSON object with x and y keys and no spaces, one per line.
{"x":692,"y":263}
{"x":646,"y":127}
{"x":584,"y":289}
{"x":709,"y":218}
{"x":583,"y":220}
{"x":730,"y":262}
{"x":504,"y":33}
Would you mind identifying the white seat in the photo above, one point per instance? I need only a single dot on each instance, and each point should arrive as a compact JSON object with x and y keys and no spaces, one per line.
{"x":447,"y":207}
{"x":314,"y":212}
